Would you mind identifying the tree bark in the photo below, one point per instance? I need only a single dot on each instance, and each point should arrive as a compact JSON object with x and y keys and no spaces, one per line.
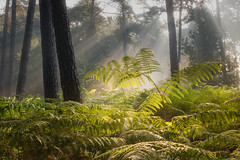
{"x":22,"y":75}
{"x":180,"y":31}
{"x":124,"y":27}
{"x":221,"y":44}
{"x":4,"y":49}
{"x":12,"y":48}
{"x":49,"y":51}
{"x":66,"y":59}
{"x":172,"y":37}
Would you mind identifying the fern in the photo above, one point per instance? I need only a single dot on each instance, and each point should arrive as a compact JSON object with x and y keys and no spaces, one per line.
{"x":176,"y":86}
{"x":156,"y":150}
{"x":132,"y":70}
{"x":129,"y":72}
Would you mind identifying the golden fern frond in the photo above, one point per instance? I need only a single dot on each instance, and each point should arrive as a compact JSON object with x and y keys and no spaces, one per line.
{"x":178,"y":84}
{"x":202,"y":125}
{"x":156,"y":150}
{"x":136,"y":136}
{"x":129,"y":72}
{"x":229,"y":139}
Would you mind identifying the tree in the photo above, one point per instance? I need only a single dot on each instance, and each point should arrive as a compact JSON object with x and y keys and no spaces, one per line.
{"x":172,"y":37}
{"x":66,"y":58}
{"x":124,"y":27}
{"x":85,"y":20}
{"x":49,"y":53}
{"x":4,"y":48}
{"x":203,"y":38}
{"x":12,"y":48}
{"x":180,"y":31}
{"x":222,"y":50}
{"x":125,"y":11}
{"x":92,"y":25}
{"x":22,"y":75}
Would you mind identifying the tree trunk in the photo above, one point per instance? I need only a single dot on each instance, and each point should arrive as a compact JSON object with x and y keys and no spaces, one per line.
{"x":22,"y":75}
{"x":92,"y":26}
{"x":4,"y":48}
{"x":12,"y":48}
{"x":172,"y":37}
{"x":49,"y":53}
{"x":221,"y":43}
{"x":124,"y":28}
{"x":180,"y":32}
{"x":66,"y":59}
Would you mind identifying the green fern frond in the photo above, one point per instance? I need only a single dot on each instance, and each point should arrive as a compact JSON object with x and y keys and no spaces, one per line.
{"x":226,"y":140}
{"x":178,"y":84}
{"x":156,"y":150}
{"x":129,"y":72}
{"x":136,"y":136}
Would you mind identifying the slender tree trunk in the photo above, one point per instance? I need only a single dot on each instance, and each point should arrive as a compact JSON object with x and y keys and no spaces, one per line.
{"x":180,"y":32}
{"x":66,"y":59}
{"x":124,"y":28}
{"x":22,"y":75}
{"x":92,"y":26}
{"x":12,"y":48}
{"x":49,"y":51}
{"x":4,"y":49}
{"x":221,"y":43}
{"x":172,"y":37}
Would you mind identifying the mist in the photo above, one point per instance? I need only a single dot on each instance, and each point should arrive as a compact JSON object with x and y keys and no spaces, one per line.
{"x":146,"y":27}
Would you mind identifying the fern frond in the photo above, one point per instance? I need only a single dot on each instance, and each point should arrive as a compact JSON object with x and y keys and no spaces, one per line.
{"x":156,"y":150}
{"x":178,"y":84}
{"x":226,"y":140}
{"x":129,"y":72}
{"x":136,"y":136}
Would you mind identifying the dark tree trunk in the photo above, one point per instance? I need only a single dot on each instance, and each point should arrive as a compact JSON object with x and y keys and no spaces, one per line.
{"x":4,"y":49}
{"x":49,"y":51}
{"x":66,"y":59}
{"x":22,"y":75}
{"x":221,"y":43}
{"x":12,"y":48}
{"x":180,"y":31}
{"x":92,"y":25}
{"x":172,"y":37}
{"x":124,"y":27}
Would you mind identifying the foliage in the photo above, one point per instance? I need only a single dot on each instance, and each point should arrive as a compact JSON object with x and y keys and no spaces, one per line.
{"x":202,"y":43}
{"x":32,"y":129}
{"x":132,"y":70}
{"x":129,"y":72}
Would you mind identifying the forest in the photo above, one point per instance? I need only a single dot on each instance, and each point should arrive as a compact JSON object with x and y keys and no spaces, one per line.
{"x":119,"y":79}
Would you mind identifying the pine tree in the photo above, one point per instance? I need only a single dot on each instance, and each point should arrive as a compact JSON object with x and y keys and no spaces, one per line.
{"x":22,"y":75}
{"x":172,"y":37}
{"x":4,"y":48}
{"x":65,"y":52}
{"x":49,"y":53}
{"x":12,"y":48}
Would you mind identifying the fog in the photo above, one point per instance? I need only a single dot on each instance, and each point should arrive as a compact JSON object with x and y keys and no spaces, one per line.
{"x":106,"y":44}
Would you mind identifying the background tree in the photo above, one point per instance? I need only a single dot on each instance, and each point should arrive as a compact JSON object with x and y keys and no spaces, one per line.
{"x":12,"y":48}
{"x":202,"y":43}
{"x":92,"y":25}
{"x":4,"y":49}
{"x":180,"y":30}
{"x":49,"y":54}
{"x":22,"y":76}
{"x":172,"y":37}
{"x":125,"y":13}
{"x":221,"y":43}
{"x":66,"y":58}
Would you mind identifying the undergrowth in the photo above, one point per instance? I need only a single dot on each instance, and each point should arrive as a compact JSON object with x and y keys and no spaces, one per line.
{"x":33,"y":129}
{"x":177,"y":120}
